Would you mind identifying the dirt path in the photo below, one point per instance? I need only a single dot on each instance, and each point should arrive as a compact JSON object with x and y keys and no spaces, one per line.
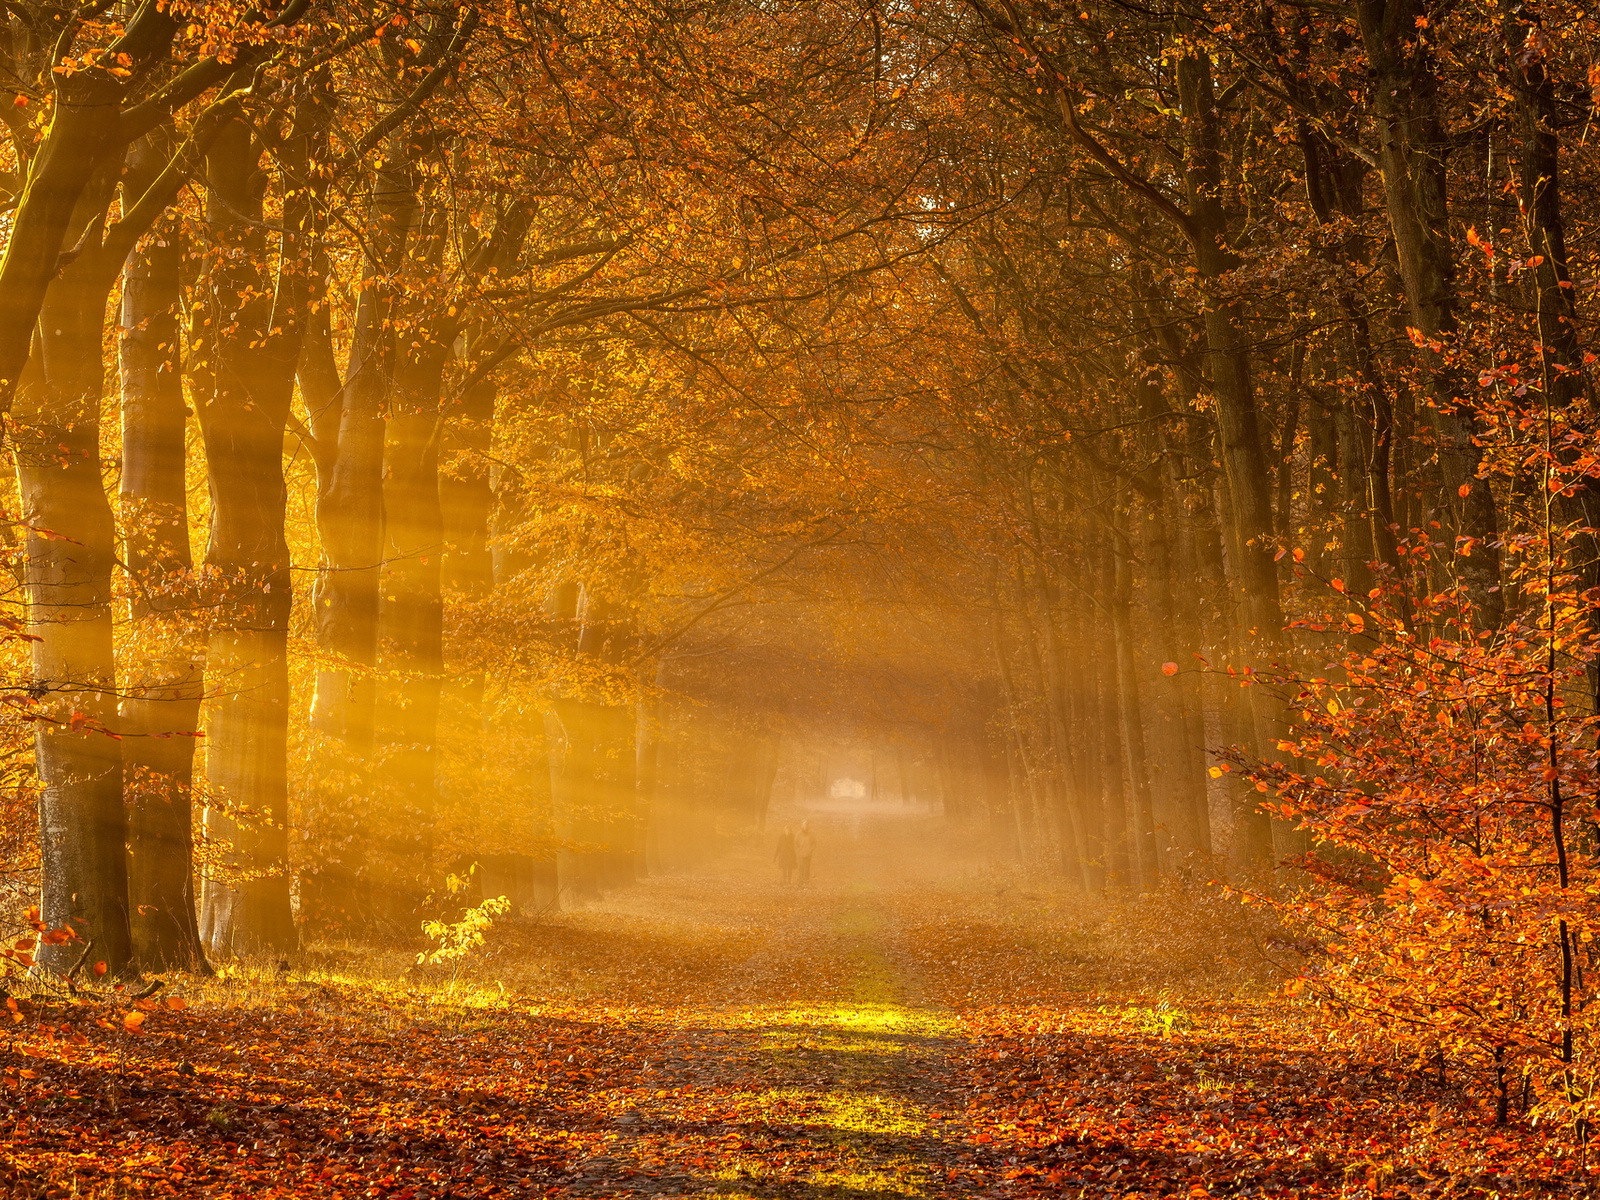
{"x":847,"y":1096}
{"x":911,"y":1036}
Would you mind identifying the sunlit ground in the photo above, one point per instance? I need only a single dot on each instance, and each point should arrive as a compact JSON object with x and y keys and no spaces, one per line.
{"x":913,"y":1025}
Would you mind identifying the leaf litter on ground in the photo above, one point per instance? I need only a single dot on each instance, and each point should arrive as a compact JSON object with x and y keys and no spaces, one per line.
{"x":718,"y":1035}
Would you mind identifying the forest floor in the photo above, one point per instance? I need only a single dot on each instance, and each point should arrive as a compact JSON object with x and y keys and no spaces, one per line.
{"x":930,"y":1033}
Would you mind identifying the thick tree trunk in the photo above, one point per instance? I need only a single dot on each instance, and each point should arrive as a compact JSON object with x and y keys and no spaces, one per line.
{"x":349,"y":424}
{"x":466,"y":495}
{"x":80,"y":141}
{"x":1177,"y":767}
{"x":466,"y":504}
{"x":1190,"y":620}
{"x":70,"y":550}
{"x":246,"y":337}
{"x":165,"y":673}
{"x":1364,"y":421}
{"x":1246,"y":495}
{"x":1120,"y":865}
{"x":350,"y":429}
{"x":467,"y":508}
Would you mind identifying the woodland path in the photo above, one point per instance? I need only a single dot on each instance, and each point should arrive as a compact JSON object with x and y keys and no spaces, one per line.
{"x":846,"y":1095}
{"x":933,"y":1033}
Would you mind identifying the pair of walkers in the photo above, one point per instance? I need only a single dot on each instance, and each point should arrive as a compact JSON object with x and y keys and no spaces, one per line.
{"x":794,"y":854}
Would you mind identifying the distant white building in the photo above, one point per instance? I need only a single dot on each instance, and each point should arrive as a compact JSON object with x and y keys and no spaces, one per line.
{"x":847,"y":789}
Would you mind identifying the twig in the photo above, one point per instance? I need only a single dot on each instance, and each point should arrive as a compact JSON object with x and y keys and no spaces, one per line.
{"x":72,"y":975}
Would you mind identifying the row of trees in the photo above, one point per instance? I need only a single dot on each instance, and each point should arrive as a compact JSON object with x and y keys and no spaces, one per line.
{"x":394,"y":261}
{"x":1280,"y":396}
{"x":580,"y":392}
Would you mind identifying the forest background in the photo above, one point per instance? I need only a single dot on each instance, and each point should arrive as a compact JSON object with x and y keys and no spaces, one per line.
{"x":448,"y":433}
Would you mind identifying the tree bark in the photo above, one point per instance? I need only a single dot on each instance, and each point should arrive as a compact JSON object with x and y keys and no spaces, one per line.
{"x":246,"y":337}
{"x":70,"y":549}
{"x":84,"y":137}
{"x":1412,"y":150}
{"x":411,"y":626}
{"x":1539,"y":188}
{"x":1146,"y":854}
{"x":164,"y":678}
{"x":1248,"y":492}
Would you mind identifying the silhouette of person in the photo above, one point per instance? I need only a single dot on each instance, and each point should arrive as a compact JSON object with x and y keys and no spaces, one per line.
{"x":785,"y":856}
{"x":805,"y":846}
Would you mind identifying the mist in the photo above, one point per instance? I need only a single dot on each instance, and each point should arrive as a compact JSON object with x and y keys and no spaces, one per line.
{"x":903,"y":598}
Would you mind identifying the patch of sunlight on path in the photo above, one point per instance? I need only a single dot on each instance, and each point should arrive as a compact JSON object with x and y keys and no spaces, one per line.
{"x":884,"y":1020}
{"x":878,"y":1050}
{"x":841,"y":1099}
{"x":847,"y":1112}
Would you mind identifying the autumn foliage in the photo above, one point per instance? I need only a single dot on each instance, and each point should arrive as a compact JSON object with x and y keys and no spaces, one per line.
{"x":472,"y":460}
{"x":1451,"y":897}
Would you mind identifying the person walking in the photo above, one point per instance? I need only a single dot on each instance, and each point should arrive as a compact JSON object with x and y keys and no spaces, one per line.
{"x":805,"y":846}
{"x":785,"y":856}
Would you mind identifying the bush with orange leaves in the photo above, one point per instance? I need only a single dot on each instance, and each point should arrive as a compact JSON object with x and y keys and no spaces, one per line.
{"x":1447,"y":778}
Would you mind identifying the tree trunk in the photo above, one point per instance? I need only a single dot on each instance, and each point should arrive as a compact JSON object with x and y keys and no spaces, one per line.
{"x":1105,"y":739}
{"x":1022,"y":800}
{"x":80,"y":141}
{"x":1087,"y":781}
{"x":606,"y":638}
{"x":165,"y":673}
{"x":1250,"y":831}
{"x":411,"y":628}
{"x":348,"y":422}
{"x":1146,"y":851}
{"x":1412,"y":150}
{"x":1177,"y":767}
{"x":245,"y":338}
{"x":1539,"y":186}
{"x":466,"y":498}
{"x":1248,"y":492}
{"x":70,"y":549}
